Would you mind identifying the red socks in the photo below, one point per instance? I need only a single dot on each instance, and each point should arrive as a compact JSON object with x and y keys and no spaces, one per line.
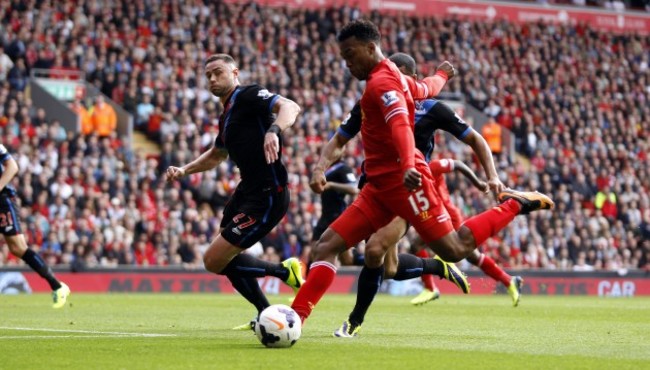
{"x":427,"y":279}
{"x":491,"y":269}
{"x":491,"y":222}
{"x":321,"y":276}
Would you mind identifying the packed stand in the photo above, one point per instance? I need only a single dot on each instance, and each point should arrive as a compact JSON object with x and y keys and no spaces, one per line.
{"x":575,"y":99}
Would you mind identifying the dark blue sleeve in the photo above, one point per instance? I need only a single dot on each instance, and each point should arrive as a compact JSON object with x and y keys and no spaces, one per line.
{"x":351,"y":125}
{"x":4,"y":154}
{"x":259,"y":98}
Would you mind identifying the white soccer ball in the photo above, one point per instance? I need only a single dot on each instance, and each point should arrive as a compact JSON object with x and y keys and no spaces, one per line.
{"x":278,"y":326}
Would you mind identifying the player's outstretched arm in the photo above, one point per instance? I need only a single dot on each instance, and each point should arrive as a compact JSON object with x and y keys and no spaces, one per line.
{"x":206,"y":161}
{"x":342,"y":188}
{"x":461,"y":167}
{"x":287,"y":111}
{"x":330,"y":153}
{"x":431,"y":86}
{"x":484,"y":154}
{"x":10,"y":170}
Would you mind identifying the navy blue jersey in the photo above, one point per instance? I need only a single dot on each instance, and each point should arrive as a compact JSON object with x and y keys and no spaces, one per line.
{"x":246,"y":116}
{"x":430,"y":115}
{"x":334,"y":201}
{"x":8,"y":190}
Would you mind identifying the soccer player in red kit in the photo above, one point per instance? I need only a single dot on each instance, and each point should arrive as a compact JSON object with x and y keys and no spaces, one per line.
{"x":399,"y":180}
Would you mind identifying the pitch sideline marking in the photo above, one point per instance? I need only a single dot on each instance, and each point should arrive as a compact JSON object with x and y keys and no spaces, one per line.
{"x":102,"y":333}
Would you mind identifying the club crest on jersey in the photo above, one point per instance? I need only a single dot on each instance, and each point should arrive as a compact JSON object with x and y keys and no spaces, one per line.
{"x":264,"y":94}
{"x":389,"y":98}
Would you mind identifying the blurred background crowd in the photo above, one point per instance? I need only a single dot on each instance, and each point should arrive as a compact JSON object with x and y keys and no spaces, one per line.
{"x":576,"y":100}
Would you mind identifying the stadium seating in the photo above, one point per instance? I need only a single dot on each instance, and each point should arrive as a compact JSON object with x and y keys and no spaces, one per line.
{"x":576,"y":99}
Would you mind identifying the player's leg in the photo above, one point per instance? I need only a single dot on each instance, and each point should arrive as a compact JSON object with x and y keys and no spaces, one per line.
{"x":11,"y":229}
{"x":391,"y":261}
{"x":455,"y":246}
{"x":346,"y":258}
{"x":318,"y":231}
{"x":18,"y":247}
{"x":371,"y":274}
{"x":491,"y":269}
{"x":429,"y":292}
{"x":356,"y":223}
{"x":246,"y":220}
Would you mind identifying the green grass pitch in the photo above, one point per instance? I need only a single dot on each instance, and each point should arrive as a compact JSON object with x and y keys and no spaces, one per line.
{"x":192,"y":331}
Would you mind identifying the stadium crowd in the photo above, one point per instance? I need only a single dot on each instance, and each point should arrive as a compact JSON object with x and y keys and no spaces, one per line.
{"x":576,"y":99}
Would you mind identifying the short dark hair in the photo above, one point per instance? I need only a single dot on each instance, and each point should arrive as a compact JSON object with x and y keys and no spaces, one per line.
{"x":362,"y":29}
{"x":224,"y":57}
{"x":404,"y":60}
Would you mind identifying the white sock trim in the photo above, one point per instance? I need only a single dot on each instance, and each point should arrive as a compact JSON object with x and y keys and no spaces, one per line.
{"x":324,"y":264}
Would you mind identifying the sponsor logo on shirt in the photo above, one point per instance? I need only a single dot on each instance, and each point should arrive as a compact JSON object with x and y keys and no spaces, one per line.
{"x":264,"y":94}
{"x":389,"y":98}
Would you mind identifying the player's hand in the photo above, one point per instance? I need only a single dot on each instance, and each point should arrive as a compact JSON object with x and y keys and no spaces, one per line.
{"x":174,"y":173}
{"x":496,"y":185}
{"x":447,"y":68}
{"x":483,"y":187}
{"x":412,"y":179}
{"x":271,"y":147}
{"x":318,"y":182}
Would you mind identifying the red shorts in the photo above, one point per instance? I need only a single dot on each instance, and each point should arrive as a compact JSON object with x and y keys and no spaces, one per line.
{"x":455,"y":213}
{"x":423,"y":209}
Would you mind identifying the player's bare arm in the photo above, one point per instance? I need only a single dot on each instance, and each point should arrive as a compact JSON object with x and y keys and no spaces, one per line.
{"x":482,"y":150}
{"x":287,"y":111}
{"x":342,"y":188}
{"x":206,"y":161}
{"x":461,"y":167}
{"x":10,"y":170}
{"x":330,"y":153}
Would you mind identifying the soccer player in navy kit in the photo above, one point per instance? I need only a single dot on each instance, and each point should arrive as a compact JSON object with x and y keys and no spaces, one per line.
{"x":249,"y":133}
{"x":341,"y":182}
{"x":10,"y":228}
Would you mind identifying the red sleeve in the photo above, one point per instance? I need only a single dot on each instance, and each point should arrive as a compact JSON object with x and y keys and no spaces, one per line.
{"x":390,"y":97}
{"x":440,"y":166}
{"x":427,"y":88}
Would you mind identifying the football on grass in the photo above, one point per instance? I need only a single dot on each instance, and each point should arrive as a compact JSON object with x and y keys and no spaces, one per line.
{"x":278,"y":326}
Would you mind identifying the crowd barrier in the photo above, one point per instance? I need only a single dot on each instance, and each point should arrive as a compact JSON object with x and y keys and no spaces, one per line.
{"x":161,"y":280}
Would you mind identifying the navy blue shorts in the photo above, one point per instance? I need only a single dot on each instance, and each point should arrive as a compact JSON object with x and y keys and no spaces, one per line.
{"x":9,"y":222}
{"x":322,"y":225}
{"x":247,"y":218}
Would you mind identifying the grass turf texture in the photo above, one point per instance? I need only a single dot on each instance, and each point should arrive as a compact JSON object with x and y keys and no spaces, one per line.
{"x":456,"y":332}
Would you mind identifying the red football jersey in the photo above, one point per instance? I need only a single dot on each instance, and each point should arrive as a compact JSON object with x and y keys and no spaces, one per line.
{"x":388,"y":114}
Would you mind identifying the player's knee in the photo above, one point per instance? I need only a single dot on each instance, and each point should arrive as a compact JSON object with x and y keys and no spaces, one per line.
{"x":374,"y":257}
{"x":15,"y":247}
{"x":466,"y":239}
{"x":211,"y":264}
